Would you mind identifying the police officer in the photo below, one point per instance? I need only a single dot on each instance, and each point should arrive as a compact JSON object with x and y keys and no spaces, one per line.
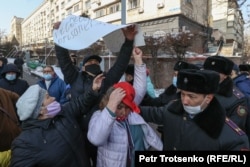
{"x":230,"y":97}
{"x":197,"y":121}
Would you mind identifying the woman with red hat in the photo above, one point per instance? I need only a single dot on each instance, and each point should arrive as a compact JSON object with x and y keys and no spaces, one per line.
{"x":117,"y":129}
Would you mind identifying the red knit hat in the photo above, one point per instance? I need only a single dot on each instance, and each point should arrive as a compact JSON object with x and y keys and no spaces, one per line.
{"x":130,"y":95}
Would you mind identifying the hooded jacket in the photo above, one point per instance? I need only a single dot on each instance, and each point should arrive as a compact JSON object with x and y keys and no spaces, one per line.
{"x":18,"y":86}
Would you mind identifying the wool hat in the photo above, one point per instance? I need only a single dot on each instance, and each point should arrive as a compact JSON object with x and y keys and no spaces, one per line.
{"x":184,"y":65}
{"x":29,"y":104}
{"x":219,"y":64}
{"x":89,"y":57}
{"x":244,"y":67}
{"x":198,"y":81}
{"x":130,"y":95}
{"x":130,"y":69}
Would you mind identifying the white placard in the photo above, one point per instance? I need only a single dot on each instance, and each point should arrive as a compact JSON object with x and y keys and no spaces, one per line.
{"x":114,"y":40}
{"x":76,"y":33}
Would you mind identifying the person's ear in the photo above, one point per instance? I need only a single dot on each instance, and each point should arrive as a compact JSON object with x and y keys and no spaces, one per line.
{"x":209,"y":98}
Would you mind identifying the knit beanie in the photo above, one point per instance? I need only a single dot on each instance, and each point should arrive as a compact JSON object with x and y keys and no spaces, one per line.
{"x":29,"y":104}
{"x":130,"y":95}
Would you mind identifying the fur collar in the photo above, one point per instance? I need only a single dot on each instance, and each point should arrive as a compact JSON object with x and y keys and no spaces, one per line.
{"x":211,"y":120}
{"x":226,"y":87}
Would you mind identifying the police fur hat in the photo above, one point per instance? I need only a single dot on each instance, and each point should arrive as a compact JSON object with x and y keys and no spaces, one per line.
{"x":184,"y":65}
{"x":198,"y":81}
{"x":219,"y":64}
{"x":89,"y":57}
{"x":130,"y":69}
{"x":29,"y":104}
{"x":244,"y":67}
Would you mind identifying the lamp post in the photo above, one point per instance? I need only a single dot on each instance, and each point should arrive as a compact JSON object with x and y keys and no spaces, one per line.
{"x":45,"y":49}
{"x":123,"y":13}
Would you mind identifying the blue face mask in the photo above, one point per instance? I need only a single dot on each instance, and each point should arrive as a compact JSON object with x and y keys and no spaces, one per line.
{"x":10,"y":77}
{"x":174,"y":81}
{"x":47,"y":77}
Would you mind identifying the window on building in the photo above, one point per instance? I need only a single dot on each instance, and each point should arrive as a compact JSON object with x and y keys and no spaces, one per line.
{"x":63,"y":15}
{"x":114,"y":8}
{"x":62,"y":5}
{"x":76,"y":8}
{"x":100,"y":12}
{"x":133,"y":4}
{"x":69,"y":11}
{"x":57,"y":8}
{"x":188,"y":1}
{"x":87,"y":4}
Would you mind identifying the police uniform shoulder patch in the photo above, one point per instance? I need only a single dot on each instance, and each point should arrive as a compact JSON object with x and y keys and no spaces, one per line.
{"x":232,"y":125}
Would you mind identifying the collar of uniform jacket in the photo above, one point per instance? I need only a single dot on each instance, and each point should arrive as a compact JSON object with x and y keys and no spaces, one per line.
{"x":211,"y":120}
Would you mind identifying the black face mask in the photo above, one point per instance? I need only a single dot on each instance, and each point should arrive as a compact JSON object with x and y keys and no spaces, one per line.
{"x":93,"y":69}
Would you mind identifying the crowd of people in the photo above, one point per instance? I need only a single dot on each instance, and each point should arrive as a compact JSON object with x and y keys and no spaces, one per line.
{"x":105,"y":120}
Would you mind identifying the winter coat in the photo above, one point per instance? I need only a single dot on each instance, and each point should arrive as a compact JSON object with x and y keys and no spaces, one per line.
{"x":8,"y":101}
{"x":19,"y":63}
{"x":235,"y":103}
{"x":55,"y":141}
{"x":242,"y":81}
{"x":209,"y":130}
{"x":18,"y":86}
{"x":111,"y":136}
{"x":56,"y":89}
{"x":169,"y":94}
{"x":80,"y":82}
{"x":112,"y":140}
{"x":150,"y":88}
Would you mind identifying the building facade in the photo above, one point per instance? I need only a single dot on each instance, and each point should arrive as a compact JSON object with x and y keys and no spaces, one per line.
{"x":156,"y":16}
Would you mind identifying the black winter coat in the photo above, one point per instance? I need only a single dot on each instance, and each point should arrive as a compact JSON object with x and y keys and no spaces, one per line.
{"x":54,"y":142}
{"x":18,"y":86}
{"x":81,"y":81}
{"x":235,"y":104}
{"x":169,"y":94}
{"x":208,"y":130}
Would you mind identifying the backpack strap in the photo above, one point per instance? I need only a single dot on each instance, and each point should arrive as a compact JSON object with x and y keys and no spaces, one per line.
{"x":11,"y":117}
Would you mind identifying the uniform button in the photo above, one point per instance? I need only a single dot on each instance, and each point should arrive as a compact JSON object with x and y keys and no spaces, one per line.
{"x":175,"y":148}
{"x":184,"y":118}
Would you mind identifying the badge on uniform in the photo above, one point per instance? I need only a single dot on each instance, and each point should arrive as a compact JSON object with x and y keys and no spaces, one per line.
{"x":241,"y":111}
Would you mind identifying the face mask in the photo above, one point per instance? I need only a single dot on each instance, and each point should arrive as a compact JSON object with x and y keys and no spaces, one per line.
{"x":53,"y":109}
{"x":121,"y":118}
{"x":93,"y":69}
{"x":193,"y":110}
{"x":174,"y":81}
{"x":47,"y":77}
{"x":10,"y":77}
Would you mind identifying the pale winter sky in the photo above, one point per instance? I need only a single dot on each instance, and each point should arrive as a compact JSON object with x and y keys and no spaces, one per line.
{"x":23,"y":8}
{"x":19,"y":8}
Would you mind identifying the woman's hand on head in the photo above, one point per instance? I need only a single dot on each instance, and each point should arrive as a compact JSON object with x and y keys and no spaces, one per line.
{"x":115,"y":99}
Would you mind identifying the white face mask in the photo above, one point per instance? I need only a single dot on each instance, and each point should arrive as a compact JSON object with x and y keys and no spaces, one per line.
{"x":193,"y":110}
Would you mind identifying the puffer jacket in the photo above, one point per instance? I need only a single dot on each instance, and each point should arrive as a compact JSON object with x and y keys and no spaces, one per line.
{"x":56,"y":89}
{"x":112,"y":140}
{"x":242,"y":81}
{"x":57,"y":141}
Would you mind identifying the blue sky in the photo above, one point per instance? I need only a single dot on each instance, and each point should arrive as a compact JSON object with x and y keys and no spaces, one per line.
{"x":19,"y":8}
